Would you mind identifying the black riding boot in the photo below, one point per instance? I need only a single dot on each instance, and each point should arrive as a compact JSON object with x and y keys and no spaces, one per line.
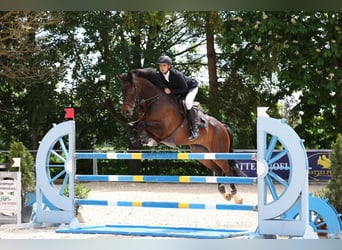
{"x":194,"y":133}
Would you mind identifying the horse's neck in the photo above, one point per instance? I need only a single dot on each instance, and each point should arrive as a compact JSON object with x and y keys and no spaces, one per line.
{"x":148,"y":89}
{"x":159,"y":126}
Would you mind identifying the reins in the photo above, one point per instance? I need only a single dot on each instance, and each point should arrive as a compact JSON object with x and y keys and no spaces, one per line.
{"x":141,"y":103}
{"x":150,"y":100}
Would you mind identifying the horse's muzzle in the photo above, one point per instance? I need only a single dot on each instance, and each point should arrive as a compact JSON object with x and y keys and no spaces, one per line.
{"x":127,"y":112}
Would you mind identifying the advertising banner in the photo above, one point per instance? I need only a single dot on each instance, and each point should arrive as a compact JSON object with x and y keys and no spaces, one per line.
{"x":319,"y":165}
{"x":10,"y":195}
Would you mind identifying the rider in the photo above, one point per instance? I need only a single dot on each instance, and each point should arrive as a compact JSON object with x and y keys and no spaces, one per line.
{"x":176,"y":83}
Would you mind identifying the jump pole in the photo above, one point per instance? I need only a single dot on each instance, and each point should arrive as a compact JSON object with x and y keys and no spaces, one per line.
{"x":54,"y":207}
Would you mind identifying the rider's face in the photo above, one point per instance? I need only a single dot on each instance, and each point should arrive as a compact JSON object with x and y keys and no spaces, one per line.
{"x":163,"y":68}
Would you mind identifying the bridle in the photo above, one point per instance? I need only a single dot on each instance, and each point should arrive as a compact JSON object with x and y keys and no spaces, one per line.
{"x":138,"y":102}
{"x":135,"y":100}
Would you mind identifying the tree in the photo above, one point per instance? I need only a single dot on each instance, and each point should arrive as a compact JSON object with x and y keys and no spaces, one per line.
{"x":334,"y":187}
{"x":28,"y":180}
{"x":287,"y":53}
{"x":19,"y":48}
{"x":50,"y":60}
{"x":314,"y":70}
{"x":28,"y":76}
{"x":99,"y":45}
{"x":212,"y":24}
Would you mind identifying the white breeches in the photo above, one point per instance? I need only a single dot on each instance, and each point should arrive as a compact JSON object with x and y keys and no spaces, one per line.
{"x":190,"y":97}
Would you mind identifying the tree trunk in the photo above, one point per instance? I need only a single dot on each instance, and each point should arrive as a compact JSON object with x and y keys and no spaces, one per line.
{"x":211,"y":55}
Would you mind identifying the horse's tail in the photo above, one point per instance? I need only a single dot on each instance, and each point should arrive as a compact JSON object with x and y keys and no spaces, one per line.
{"x":230,"y":134}
{"x":236,"y":171}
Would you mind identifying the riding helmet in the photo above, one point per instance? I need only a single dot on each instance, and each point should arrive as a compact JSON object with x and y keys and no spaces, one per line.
{"x":164,"y":59}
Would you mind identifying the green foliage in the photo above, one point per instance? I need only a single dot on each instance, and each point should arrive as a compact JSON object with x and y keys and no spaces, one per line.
{"x":334,"y":186}
{"x":260,"y":58}
{"x":17,"y":149}
{"x":281,"y":54}
{"x":29,"y":77}
{"x":81,"y":191}
{"x":146,"y":167}
{"x":321,"y":193}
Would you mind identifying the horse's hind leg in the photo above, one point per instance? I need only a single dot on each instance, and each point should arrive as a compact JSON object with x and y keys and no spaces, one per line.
{"x":223,"y":164}
{"x":218,"y":172}
{"x":235,"y":194}
{"x":222,"y":142}
{"x":210,"y":164}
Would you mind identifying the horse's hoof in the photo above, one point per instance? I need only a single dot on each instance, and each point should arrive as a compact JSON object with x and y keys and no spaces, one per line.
{"x":228,"y":196}
{"x":237,"y":199}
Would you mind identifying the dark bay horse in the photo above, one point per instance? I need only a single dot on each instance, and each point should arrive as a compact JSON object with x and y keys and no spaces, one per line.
{"x":160,"y":120}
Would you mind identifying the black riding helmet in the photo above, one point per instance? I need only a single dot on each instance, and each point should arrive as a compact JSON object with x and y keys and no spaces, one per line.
{"x":164,"y":59}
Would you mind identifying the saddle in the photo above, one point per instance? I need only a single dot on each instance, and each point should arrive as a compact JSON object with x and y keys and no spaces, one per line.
{"x":202,"y":121}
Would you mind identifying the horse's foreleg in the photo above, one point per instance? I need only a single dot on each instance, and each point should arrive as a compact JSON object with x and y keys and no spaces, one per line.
{"x":131,"y":129}
{"x":135,"y":132}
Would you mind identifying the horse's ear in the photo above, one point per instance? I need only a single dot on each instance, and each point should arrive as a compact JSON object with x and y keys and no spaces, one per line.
{"x":120,"y":76}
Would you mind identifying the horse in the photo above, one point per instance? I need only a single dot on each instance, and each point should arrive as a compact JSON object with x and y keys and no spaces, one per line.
{"x":161,"y":120}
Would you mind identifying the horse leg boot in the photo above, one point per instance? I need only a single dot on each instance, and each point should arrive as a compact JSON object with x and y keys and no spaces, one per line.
{"x":192,"y":119}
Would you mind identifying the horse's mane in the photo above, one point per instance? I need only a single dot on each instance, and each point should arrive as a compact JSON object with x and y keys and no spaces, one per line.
{"x":153,"y":78}
{"x":149,"y":74}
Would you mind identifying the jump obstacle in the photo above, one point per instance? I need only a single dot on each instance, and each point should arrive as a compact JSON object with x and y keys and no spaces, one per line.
{"x":291,"y":212}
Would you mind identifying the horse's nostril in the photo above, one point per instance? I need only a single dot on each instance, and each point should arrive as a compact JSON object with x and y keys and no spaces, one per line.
{"x":126,"y":112}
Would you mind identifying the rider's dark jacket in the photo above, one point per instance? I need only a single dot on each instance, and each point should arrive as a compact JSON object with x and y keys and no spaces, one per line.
{"x":178,"y":83}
